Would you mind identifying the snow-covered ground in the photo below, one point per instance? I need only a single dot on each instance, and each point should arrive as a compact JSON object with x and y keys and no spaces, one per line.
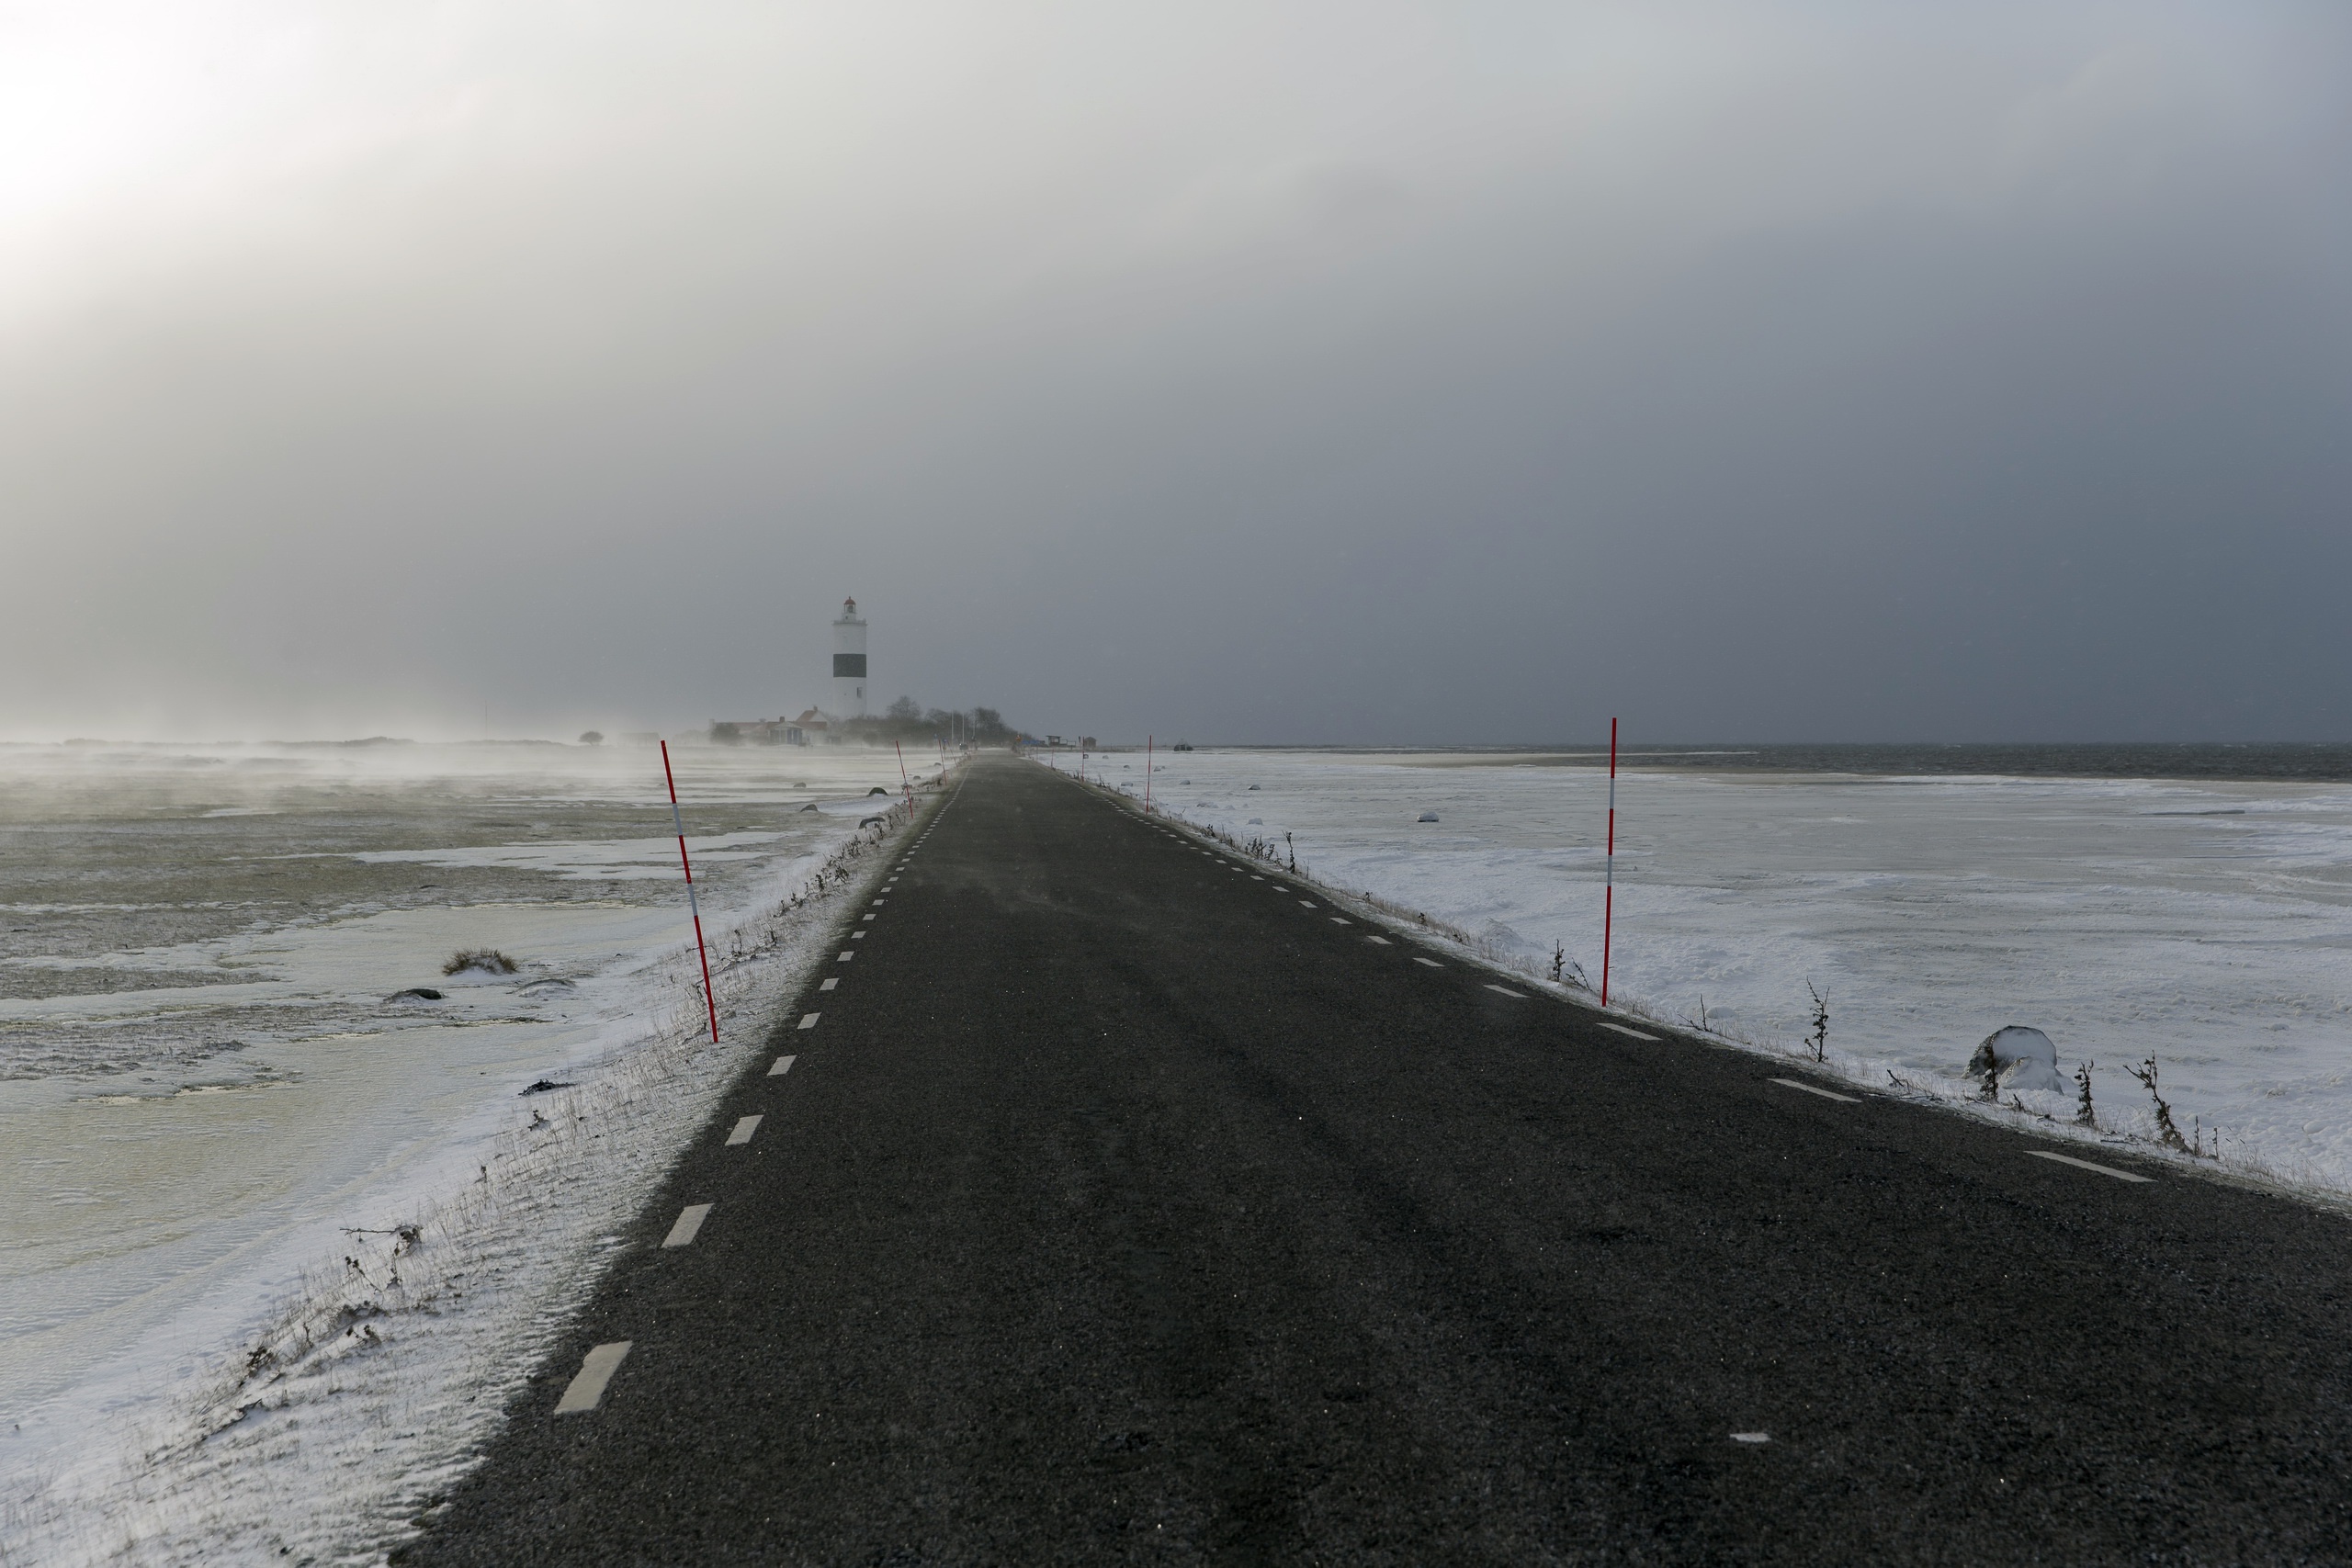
{"x":216,"y":1338}
{"x":2207,"y":925}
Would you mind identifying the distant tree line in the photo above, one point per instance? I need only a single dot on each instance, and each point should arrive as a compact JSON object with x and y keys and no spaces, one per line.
{"x":907,"y":719}
{"x":904,"y":720}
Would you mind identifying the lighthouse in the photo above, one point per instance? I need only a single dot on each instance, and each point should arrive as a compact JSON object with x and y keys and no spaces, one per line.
{"x":848,"y":663}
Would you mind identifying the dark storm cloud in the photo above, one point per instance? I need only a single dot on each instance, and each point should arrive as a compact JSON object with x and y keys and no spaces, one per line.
{"x":1346,"y":373}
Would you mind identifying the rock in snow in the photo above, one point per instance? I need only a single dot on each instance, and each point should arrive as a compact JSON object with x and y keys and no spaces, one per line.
{"x":1426,"y":816}
{"x":2021,"y":1059}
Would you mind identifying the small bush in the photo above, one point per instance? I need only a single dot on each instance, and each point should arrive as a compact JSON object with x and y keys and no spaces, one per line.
{"x":489,"y":960}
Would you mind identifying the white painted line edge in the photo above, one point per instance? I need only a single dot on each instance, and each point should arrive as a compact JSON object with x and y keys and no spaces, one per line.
{"x":586,"y":1389}
{"x":809,"y":1019}
{"x":1338,"y":921}
{"x":1751,"y":1437}
{"x":828,"y":984}
{"x":744,"y":1128}
{"x":1380,"y":939}
{"x":845,"y":957}
{"x":2085,"y":1165}
{"x":782,"y":1065}
{"x":1623,"y":1030}
{"x":1430,"y":962}
{"x":1505,"y":990}
{"x":690,"y":1220}
{"x":1840,"y":1098}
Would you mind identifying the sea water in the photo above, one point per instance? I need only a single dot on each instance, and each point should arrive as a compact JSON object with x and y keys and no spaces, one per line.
{"x":206,"y":1071}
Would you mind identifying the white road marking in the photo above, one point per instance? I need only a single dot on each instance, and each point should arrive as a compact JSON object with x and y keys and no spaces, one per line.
{"x":1751,"y":1437}
{"x":1380,"y":939}
{"x":782,"y":1065}
{"x":1623,"y":1030}
{"x":1304,"y":905}
{"x":830,"y":984}
{"x":809,"y":1019}
{"x":2085,"y":1165}
{"x":743,"y":1130}
{"x":690,"y":1220}
{"x":857,"y":936}
{"x":1338,"y":921}
{"x":1505,"y":990}
{"x":1257,"y":879}
{"x":869,"y":917}
{"x":877,"y":904}
{"x":1840,"y":1098}
{"x":586,"y":1389}
{"x":1430,"y":962}
{"x":845,"y":957}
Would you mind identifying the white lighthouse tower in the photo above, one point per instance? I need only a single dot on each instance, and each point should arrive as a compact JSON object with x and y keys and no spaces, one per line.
{"x":848,"y":663}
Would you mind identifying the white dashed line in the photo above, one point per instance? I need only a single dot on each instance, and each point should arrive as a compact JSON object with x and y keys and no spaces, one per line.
{"x":869,"y":917}
{"x":1380,"y":939}
{"x":690,"y":1220}
{"x":2085,"y":1165}
{"x":809,"y":1019}
{"x":1623,"y":1030}
{"x":743,"y":1130}
{"x":1751,"y":1437}
{"x":782,"y":1065}
{"x":857,"y":936}
{"x":829,"y":984}
{"x":1304,"y":905}
{"x":1338,"y":921}
{"x":877,"y":904}
{"x":1840,"y":1098}
{"x":1507,"y":991}
{"x":586,"y":1389}
{"x":1257,"y":879}
{"x":1430,"y":962}
{"x":845,"y":957}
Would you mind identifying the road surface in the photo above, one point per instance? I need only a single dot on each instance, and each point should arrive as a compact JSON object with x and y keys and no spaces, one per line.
{"x":1125,"y":1201}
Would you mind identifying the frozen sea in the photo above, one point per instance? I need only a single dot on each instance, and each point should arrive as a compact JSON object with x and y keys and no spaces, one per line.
{"x":205,"y":1077}
{"x":2203,"y":920}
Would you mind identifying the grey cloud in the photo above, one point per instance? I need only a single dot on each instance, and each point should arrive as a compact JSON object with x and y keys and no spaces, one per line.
{"x":1367,"y":373}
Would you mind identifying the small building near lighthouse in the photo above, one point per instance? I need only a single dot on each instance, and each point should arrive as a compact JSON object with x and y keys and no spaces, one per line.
{"x":848,"y":663}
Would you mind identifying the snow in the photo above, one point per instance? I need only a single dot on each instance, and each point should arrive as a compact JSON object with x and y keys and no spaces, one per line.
{"x":2020,"y":1059}
{"x":2206,"y":925}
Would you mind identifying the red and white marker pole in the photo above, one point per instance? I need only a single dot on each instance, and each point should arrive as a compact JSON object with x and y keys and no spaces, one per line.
{"x":1609,"y":893}
{"x":709,"y":996}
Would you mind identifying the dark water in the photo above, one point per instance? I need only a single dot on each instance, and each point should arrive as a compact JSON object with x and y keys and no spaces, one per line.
{"x":2318,"y":761}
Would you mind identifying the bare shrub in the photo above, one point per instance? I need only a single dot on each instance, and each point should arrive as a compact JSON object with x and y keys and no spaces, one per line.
{"x":489,"y":960}
{"x":2166,"y":1133}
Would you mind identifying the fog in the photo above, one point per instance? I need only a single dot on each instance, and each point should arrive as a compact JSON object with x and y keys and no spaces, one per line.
{"x":1320,"y":373}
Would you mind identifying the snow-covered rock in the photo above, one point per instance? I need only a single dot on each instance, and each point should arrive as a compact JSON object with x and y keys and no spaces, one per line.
{"x":2021,"y":1059}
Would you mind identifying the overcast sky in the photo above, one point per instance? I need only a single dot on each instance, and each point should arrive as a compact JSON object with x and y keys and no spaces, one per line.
{"x":1356,"y":372}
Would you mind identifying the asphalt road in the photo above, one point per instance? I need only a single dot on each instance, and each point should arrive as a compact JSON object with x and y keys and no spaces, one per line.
{"x":1123,"y":1203}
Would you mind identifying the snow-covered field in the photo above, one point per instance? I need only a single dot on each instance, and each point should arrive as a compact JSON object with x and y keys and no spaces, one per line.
{"x":216,"y":1338}
{"x":2206,"y":925}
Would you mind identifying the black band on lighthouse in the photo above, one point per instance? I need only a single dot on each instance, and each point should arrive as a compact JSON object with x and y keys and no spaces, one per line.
{"x":849,"y":664}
